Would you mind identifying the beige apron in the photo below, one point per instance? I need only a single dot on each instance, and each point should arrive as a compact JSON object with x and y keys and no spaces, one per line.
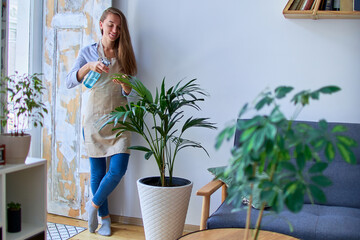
{"x":104,"y":97}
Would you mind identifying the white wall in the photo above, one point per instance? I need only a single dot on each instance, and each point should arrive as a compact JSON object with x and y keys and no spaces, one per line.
{"x":235,"y":49}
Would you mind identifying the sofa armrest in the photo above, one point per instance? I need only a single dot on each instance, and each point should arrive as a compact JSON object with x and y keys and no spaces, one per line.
{"x":206,"y":191}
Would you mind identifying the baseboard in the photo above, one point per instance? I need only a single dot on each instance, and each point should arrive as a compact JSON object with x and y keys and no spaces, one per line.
{"x":138,"y":222}
{"x":126,"y":220}
{"x":191,"y":228}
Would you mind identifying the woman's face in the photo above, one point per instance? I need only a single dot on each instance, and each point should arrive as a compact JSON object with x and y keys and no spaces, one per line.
{"x":111,"y":27}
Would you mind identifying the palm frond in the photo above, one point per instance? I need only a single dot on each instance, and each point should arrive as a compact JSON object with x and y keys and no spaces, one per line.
{"x":197,"y":122}
{"x":185,"y":143}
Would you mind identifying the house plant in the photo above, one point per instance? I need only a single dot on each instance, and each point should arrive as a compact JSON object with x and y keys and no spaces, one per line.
{"x":160,"y":122}
{"x":22,"y":106}
{"x":279,"y":157}
{"x":13,"y":217}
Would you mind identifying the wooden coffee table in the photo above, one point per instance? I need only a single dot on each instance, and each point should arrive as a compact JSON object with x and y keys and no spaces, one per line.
{"x":233,"y":233}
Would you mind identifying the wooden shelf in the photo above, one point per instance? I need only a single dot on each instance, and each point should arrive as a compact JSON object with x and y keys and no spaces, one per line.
{"x":26,"y":184}
{"x":318,"y":14}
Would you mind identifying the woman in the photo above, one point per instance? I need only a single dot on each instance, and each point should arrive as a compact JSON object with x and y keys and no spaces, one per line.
{"x":105,"y":95}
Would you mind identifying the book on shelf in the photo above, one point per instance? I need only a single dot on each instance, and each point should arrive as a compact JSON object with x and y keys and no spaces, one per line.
{"x":313,"y":5}
{"x":299,"y":5}
{"x":346,"y":5}
{"x":294,"y":5}
{"x":356,"y":5}
{"x":329,"y":5}
{"x":304,"y":5}
{"x":322,"y":5}
{"x":336,"y":5}
{"x":309,"y":4}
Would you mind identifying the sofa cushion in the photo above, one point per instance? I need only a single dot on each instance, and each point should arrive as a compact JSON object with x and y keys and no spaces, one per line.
{"x":313,"y":222}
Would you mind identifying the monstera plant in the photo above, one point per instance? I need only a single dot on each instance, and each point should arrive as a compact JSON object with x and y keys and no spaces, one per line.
{"x":281,"y":158}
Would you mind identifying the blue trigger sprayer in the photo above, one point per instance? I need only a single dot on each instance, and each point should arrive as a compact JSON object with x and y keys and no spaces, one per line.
{"x":92,"y":77}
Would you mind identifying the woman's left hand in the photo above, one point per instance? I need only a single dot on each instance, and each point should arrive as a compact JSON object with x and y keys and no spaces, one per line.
{"x":125,"y":87}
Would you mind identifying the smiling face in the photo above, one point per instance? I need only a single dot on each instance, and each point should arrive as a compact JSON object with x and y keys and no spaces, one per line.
{"x":110,"y":27}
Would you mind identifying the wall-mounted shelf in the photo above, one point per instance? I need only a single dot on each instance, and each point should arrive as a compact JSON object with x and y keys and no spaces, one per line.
{"x":315,"y":13}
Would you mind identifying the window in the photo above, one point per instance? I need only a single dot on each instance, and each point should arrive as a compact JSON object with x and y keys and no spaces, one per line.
{"x":22,"y":50}
{"x":18,"y":50}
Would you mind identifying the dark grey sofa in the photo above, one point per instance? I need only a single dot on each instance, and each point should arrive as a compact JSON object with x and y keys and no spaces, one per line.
{"x":338,"y":219}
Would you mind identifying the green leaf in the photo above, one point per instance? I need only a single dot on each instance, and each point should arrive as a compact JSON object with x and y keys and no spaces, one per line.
{"x":329,"y":89}
{"x":339,"y":128}
{"x":282,"y":91}
{"x":319,"y":144}
{"x":197,"y":122}
{"x":276,"y":115}
{"x":266,"y":100}
{"x":323,"y":124}
{"x":249,"y":171}
{"x":140,"y":148}
{"x":294,"y":199}
{"x":315,"y":95}
{"x":300,"y":160}
{"x":349,"y":142}
{"x":321,"y":180}
{"x":243,"y":110}
{"x":247,"y":133}
{"x":330,"y":151}
{"x":346,"y":153}
{"x":258,"y":138}
{"x":318,"y":167}
{"x":268,"y":196}
{"x":288,"y":166}
{"x":301,"y":97}
{"x":226,"y":133}
{"x":308,"y":152}
{"x":278,"y":203}
{"x":270,"y":131}
{"x":317,"y":193}
{"x":148,"y":155}
{"x":266,"y":185}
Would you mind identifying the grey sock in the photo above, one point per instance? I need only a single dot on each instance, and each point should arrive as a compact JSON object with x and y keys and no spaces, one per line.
{"x":105,"y":228}
{"x":92,"y":217}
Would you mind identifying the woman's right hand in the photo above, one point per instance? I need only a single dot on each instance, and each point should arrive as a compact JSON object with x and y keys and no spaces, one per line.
{"x":98,"y":67}
{"x":91,"y":66}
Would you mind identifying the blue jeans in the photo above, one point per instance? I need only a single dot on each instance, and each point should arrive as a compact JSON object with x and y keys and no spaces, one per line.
{"x":103,"y":183}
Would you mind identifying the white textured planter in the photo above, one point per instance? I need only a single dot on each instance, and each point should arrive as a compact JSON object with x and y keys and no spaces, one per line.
{"x":164,"y":209}
{"x":16,"y":147}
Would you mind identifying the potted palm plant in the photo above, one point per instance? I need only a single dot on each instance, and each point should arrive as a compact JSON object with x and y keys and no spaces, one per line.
{"x":277,"y":159}
{"x":160,"y":122}
{"x":21,"y":104}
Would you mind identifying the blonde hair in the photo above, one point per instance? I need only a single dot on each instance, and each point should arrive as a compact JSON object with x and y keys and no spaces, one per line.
{"x":125,"y":52}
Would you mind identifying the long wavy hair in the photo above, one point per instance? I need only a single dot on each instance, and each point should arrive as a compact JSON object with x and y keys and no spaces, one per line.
{"x":125,"y":52}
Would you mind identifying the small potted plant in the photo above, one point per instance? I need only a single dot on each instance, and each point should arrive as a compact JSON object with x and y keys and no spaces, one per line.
{"x":13,"y":217}
{"x":160,"y":121}
{"x":21,"y":105}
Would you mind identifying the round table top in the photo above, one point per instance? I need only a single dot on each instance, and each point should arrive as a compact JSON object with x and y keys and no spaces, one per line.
{"x":233,"y":233}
